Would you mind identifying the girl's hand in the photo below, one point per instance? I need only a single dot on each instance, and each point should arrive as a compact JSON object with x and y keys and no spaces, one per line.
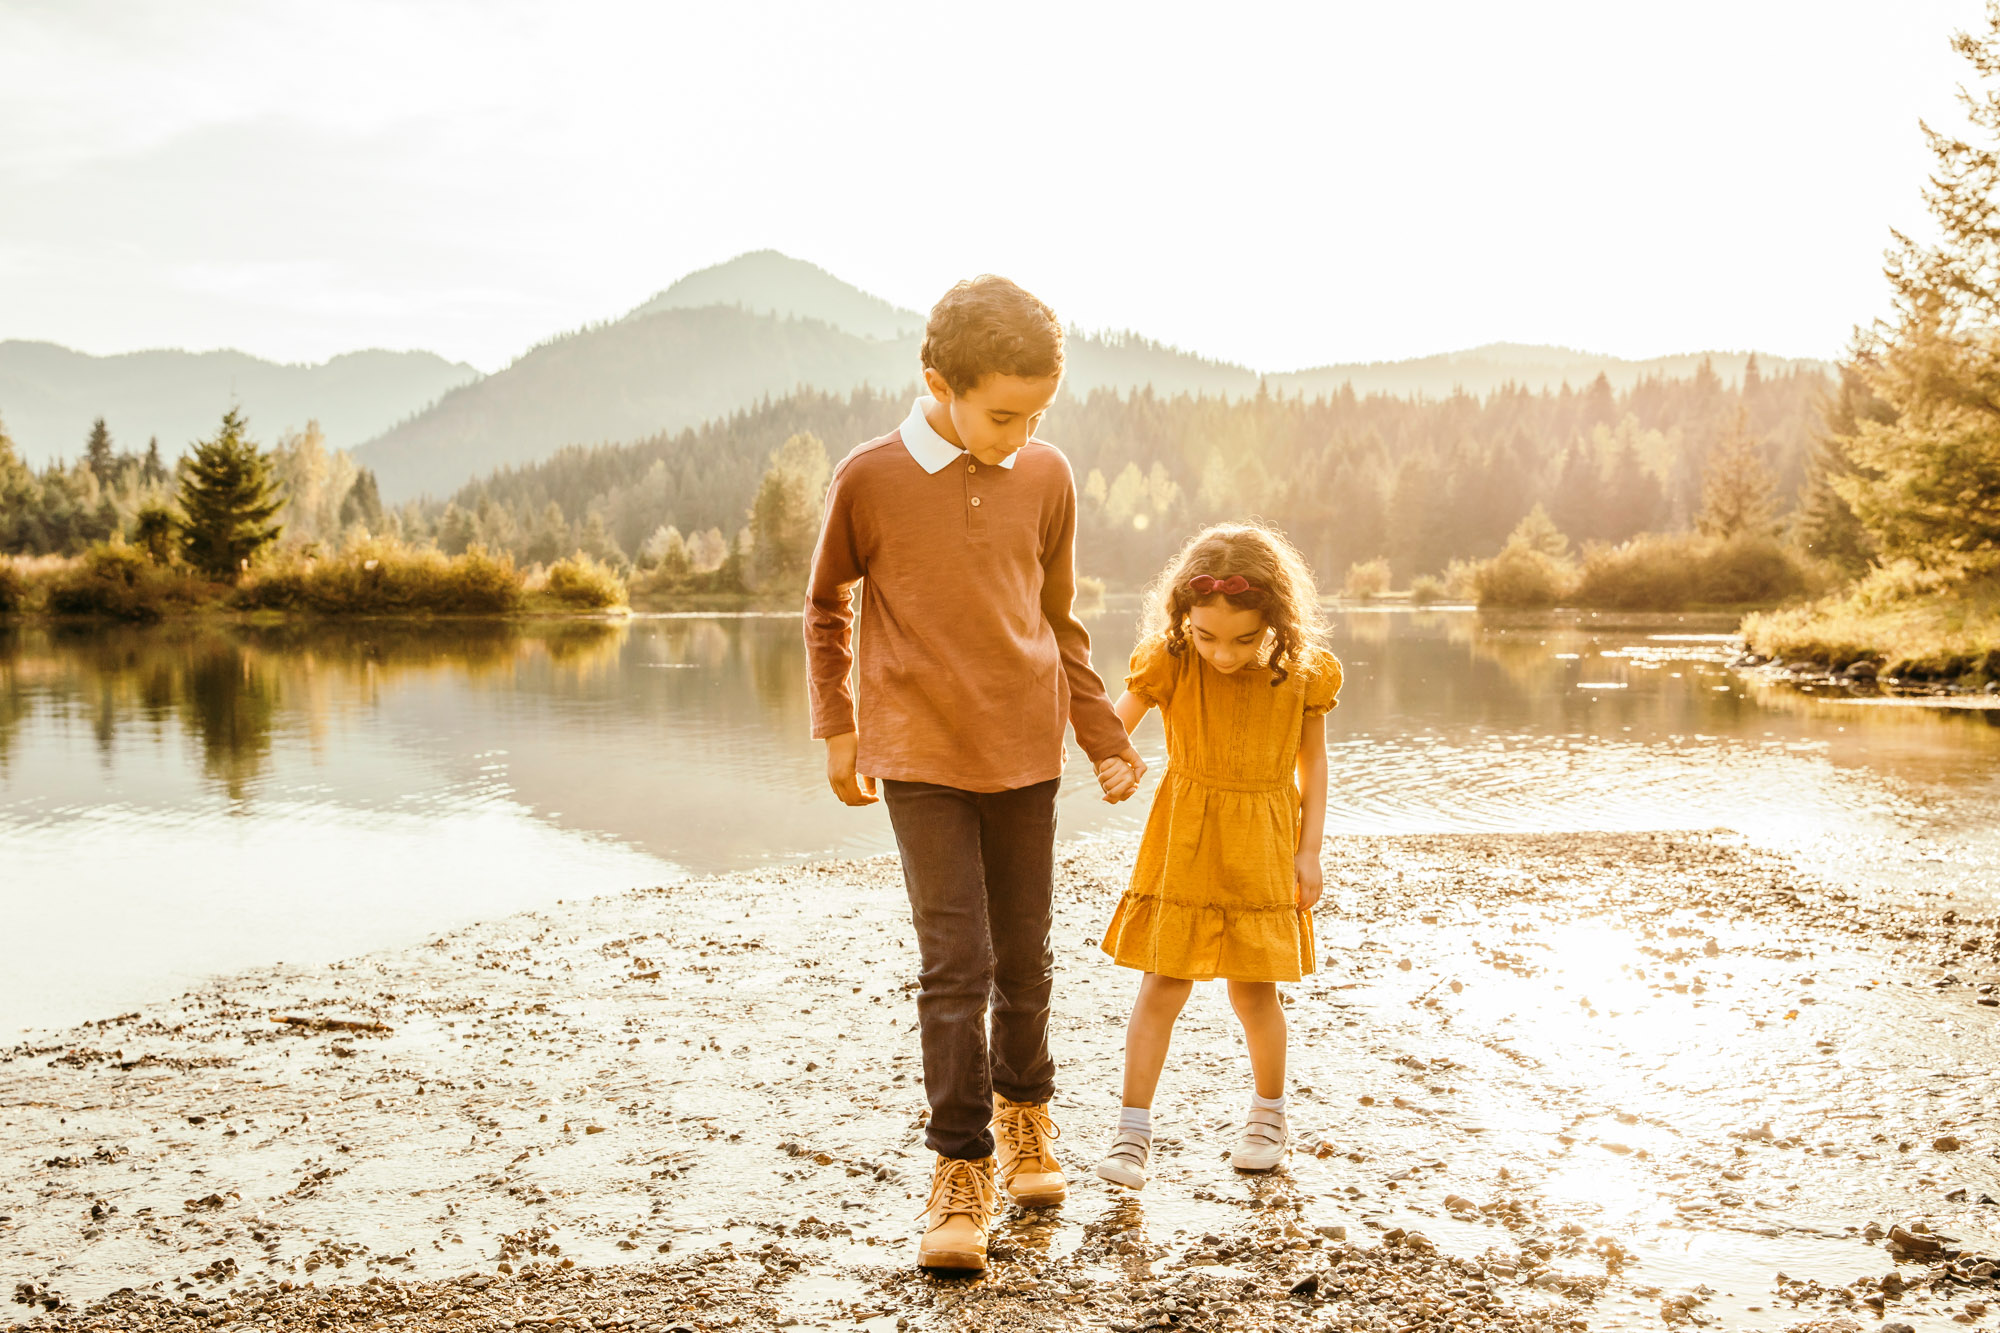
{"x":1118,"y":778}
{"x":1306,"y":866}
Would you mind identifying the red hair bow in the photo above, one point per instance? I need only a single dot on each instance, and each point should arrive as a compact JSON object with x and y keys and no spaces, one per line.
{"x":1208,"y":584}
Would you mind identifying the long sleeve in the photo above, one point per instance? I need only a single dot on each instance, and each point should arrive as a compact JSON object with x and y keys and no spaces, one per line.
{"x":1098,"y":729}
{"x":829,"y":614}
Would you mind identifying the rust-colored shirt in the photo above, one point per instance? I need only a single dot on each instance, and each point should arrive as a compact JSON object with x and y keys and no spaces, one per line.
{"x":971,"y":658}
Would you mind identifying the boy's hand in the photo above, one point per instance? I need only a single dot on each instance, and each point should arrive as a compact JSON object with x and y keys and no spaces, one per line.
{"x":1306,"y":866}
{"x":1119,"y":775}
{"x":840,"y":775}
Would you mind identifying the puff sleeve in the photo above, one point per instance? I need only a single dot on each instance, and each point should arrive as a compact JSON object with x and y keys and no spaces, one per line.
{"x":1153,"y":673}
{"x":1323,"y":676}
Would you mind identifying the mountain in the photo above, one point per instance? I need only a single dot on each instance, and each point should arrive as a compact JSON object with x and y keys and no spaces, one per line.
{"x":1481,"y":370}
{"x":765,"y":282}
{"x":49,"y":395}
{"x":624,"y":381}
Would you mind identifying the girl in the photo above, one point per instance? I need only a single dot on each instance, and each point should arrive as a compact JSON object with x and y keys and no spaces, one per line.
{"x":1228,"y":871}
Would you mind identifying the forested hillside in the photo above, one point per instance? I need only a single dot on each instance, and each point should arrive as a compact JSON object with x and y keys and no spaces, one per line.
{"x":1423,"y":482}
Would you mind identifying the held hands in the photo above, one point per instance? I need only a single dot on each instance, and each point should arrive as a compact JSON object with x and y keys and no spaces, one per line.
{"x":1306,"y":866}
{"x":1119,"y":775}
{"x":840,"y":775}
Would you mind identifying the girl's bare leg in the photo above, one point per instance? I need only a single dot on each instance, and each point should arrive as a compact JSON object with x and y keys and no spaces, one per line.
{"x":1149,"y":1033}
{"x":1263,"y":1018}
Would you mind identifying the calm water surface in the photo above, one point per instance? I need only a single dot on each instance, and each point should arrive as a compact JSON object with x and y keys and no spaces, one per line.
{"x":177,"y":802}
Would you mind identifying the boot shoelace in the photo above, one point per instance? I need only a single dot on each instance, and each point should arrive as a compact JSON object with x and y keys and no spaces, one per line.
{"x":961,"y":1187}
{"x":1030,"y":1129}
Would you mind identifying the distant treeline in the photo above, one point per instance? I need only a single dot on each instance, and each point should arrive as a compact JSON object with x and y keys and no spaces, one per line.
{"x":1422,"y":482}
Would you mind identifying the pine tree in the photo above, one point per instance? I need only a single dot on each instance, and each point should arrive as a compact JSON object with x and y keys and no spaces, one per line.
{"x":1538,"y":533}
{"x":155,"y":531}
{"x":152,"y":471}
{"x":228,"y":497}
{"x":1736,"y":488}
{"x":1826,"y":524}
{"x":362,"y":504}
{"x":1926,"y":482}
{"x":784,"y":516}
{"x":98,"y":454}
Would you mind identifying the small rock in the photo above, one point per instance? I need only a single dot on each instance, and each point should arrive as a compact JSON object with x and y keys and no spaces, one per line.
{"x":1946,"y":1143}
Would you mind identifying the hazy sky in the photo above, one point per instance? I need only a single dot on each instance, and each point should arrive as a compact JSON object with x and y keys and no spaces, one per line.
{"x":1280,"y":184}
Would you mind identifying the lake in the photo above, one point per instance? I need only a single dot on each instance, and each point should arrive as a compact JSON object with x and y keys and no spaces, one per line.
{"x":182,"y":801}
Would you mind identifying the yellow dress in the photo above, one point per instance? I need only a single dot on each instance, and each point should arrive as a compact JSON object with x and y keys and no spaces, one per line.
{"x":1214,"y":893}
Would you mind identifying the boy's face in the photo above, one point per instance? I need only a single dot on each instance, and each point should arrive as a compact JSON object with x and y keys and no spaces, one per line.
{"x":994,"y":418}
{"x":1228,"y":638}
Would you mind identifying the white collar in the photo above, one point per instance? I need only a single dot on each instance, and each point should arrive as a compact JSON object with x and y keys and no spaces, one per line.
{"x":933,"y":452}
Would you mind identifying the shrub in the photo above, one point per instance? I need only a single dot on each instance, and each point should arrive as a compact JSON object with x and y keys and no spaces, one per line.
{"x":584,"y":584}
{"x":1426,"y":589}
{"x":385,"y":578}
{"x":1755,"y":569}
{"x":13,"y":588}
{"x":1654,"y":572}
{"x":116,"y":580}
{"x":1370,"y":579}
{"x":1522,"y":577}
{"x":1458,"y":577}
{"x":1665,"y":572}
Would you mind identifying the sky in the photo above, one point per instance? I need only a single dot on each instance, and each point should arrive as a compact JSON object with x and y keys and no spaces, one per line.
{"x":1282,"y":185}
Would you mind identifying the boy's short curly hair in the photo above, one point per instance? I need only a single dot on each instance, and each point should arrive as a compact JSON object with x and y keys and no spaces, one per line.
{"x":990,"y":326}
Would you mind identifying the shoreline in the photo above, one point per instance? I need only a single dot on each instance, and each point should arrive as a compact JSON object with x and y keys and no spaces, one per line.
{"x":1519,"y":1052}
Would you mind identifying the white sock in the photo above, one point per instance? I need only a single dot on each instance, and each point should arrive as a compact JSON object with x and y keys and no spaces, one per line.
{"x":1276,"y":1103}
{"x":1138,"y":1118}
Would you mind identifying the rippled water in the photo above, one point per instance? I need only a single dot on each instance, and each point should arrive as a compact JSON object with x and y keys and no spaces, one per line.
{"x":181,"y":801}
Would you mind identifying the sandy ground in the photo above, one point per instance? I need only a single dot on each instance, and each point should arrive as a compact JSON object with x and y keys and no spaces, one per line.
{"x":1540,"y":1082}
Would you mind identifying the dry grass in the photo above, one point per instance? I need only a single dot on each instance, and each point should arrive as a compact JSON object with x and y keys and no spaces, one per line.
{"x":1653,"y":572}
{"x":1912,"y":623}
{"x":579,"y":583}
{"x":1367,"y":580}
{"x":386,"y":578}
{"x":116,"y":582}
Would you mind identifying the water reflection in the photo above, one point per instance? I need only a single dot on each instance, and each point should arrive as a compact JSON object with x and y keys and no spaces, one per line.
{"x":616,"y":753}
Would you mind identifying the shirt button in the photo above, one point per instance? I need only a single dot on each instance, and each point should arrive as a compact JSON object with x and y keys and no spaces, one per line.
{"x":972,"y":467}
{"x":975,"y":502}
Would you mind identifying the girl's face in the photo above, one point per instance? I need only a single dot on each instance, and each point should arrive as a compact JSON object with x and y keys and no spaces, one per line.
{"x":1228,"y":638}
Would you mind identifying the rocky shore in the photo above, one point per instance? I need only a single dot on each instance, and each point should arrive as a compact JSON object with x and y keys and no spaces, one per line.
{"x":1540,"y":1083}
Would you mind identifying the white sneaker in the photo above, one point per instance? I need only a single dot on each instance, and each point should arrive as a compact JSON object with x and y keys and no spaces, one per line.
{"x":1125,"y":1164}
{"x":1263,"y":1143}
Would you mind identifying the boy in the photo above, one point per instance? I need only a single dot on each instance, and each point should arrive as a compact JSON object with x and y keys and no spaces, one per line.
{"x":962,"y":526}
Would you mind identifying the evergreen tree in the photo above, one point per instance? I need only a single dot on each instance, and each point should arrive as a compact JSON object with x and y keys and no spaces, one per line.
{"x":1826,"y":524}
{"x":1736,"y":489}
{"x":20,"y":501}
{"x":1578,"y":502}
{"x":362,"y":504}
{"x":97,"y":452}
{"x":228,"y":497}
{"x":152,"y":471}
{"x":155,"y":531}
{"x":1926,"y":481}
{"x":457,"y":531}
{"x":784,"y":516}
{"x":1537,"y":532}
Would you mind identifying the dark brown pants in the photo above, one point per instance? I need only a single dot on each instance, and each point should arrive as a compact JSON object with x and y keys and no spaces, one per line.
{"x":979,"y":867}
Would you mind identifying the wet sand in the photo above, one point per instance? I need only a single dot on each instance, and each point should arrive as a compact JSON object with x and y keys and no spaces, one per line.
{"x":1540,"y":1082}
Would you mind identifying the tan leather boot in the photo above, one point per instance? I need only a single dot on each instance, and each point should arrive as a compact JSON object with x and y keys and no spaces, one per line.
{"x":958,"y":1216}
{"x":1029,"y":1171}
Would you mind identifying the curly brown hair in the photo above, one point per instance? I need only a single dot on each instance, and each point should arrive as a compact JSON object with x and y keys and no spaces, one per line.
{"x":1281,"y":587}
{"x":990,"y":326}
